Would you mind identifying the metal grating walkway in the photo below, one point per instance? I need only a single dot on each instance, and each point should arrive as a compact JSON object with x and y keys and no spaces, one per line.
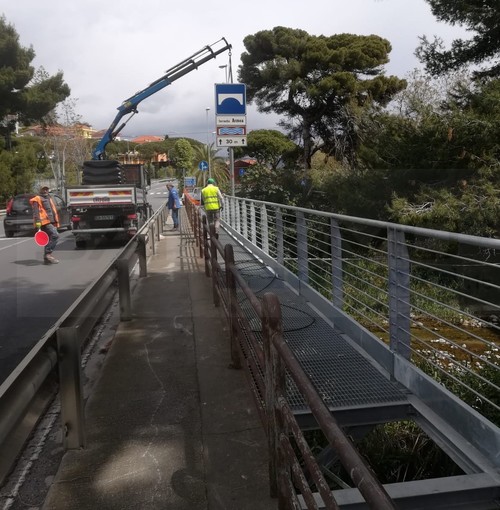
{"x":361,"y":394}
{"x":342,"y":375}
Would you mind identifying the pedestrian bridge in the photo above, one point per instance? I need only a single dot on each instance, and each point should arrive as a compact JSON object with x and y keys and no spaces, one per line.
{"x":345,"y":325}
{"x":347,"y":329}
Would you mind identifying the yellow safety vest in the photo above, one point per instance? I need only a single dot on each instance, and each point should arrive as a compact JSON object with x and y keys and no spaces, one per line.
{"x":210,"y":198}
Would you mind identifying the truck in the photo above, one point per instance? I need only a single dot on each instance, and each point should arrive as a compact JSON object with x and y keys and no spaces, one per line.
{"x":111,"y":203}
{"x":112,"y":200}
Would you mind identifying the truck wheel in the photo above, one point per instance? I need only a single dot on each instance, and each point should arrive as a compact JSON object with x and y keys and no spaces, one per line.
{"x":9,"y":233}
{"x":80,"y":245}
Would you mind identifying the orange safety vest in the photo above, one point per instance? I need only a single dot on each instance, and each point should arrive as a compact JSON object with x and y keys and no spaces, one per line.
{"x":44,"y":217}
{"x":211,"y":198}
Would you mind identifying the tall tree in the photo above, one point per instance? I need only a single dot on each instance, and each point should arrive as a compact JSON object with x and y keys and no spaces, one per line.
{"x":184,"y":155}
{"x":25,"y":96}
{"x":316,"y":82}
{"x":481,"y":17}
{"x":268,"y":146}
{"x":434,"y":161}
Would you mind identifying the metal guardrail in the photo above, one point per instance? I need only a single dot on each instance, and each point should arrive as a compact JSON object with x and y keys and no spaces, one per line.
{"x":60,"y":348}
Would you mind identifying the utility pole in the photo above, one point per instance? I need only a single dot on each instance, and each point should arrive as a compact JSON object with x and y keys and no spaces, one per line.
{"x":207,"y":109}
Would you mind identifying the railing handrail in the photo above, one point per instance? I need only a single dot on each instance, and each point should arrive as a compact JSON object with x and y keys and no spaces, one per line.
{"x":484,"y":242}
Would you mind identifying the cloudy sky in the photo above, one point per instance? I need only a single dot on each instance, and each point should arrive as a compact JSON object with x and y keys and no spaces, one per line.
{"x":110,"y":50}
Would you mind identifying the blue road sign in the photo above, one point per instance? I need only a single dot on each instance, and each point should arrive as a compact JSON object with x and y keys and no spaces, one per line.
{"x":230,"y":99}
{"x":203,"y":166}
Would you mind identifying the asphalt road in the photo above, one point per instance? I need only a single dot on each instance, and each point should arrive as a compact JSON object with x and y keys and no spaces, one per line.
{"x":34,"y":295}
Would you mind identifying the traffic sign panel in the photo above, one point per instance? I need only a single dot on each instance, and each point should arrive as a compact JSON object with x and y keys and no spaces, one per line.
{"x":231,"y":130}
{"x":230,"y":99}
{"x":231,"y":141}
{"x":203,"y":166}
{"x":231,"y":120}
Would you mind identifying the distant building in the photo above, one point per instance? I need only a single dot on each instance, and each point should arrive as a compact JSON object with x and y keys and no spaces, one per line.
{"x":75,"y":131}
{"x":240,"y":166}
{"x":133,"y":155}
{"x":147,"y":138}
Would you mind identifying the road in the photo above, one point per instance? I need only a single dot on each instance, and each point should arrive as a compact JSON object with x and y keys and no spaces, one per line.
{"x":34,"y":295}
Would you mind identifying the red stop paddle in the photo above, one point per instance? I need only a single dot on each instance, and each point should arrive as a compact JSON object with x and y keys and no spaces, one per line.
{"x":41,"y":238}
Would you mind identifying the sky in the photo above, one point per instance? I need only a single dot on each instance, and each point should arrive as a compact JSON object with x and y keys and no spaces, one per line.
{"x":108,"y":51}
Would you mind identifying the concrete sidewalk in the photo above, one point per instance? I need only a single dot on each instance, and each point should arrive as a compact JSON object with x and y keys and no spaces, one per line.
{"x":169,"y":424}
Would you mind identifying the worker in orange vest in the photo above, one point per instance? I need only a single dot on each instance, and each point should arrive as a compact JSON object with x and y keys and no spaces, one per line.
{"x":46,"y":218}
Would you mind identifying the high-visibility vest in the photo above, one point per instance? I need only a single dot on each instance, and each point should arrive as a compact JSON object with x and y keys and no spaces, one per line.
{"x":44,"y":217}
{"x":210,"y":198}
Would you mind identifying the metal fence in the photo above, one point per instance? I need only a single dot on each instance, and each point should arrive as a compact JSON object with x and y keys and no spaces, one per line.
{"x":433,"y":297}
{"x":57,"y":355}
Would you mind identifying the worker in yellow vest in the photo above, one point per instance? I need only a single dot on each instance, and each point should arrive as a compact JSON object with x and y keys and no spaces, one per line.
{"x":212,"y":201}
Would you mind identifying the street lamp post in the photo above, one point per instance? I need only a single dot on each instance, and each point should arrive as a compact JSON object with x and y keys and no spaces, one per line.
{"x":207,"y":109}
{"x":225,"y":71}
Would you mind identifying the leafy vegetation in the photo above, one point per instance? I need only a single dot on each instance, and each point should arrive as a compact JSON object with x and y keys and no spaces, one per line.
{"x":316,"y":83}
{"x":480,"y":18}
{"x":25,"y":94}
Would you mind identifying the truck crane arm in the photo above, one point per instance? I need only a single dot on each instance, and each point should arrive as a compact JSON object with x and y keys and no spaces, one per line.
{"x":129,"y":106}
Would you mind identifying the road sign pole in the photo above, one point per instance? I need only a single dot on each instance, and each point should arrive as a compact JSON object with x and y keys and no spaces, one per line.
{"x":231,"y":170}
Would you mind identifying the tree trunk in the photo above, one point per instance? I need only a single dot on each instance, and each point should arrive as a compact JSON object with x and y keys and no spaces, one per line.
{"x":308,"y":144}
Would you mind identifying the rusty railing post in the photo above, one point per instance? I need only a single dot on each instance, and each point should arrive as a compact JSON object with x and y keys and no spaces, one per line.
{"x":274,"y":388}
{"x":232,"y":301}
{"x":206,"y":253}
{"x":213,"y":266}
{"x":199,"y":231}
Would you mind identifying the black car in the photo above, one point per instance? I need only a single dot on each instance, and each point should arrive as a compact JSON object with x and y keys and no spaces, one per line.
{"x":19,"y":215}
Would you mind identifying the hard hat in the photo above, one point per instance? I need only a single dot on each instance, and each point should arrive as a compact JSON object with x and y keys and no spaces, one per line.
{"x":211,"y":181}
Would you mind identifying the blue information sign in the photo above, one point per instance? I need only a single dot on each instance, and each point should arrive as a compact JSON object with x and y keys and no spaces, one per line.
{"x":230,"y":99}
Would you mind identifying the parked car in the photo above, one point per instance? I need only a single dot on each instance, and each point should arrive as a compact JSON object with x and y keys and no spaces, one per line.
{"x":19,"y":215}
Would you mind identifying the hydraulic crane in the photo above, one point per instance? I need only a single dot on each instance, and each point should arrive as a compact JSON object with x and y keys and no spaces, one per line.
{"x":129,"y":106}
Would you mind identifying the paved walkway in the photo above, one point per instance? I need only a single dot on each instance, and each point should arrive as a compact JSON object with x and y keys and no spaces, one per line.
{"x":169,"y":424}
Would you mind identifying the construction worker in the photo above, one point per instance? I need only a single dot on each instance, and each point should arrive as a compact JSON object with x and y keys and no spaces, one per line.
{"x":46,"y":218}
{"x":212,"y":201}
{"x":174,"y":204}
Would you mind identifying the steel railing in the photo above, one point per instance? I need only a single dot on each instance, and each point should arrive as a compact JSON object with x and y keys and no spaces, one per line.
{"x":433,"y":297}
{"x":59,"y":350}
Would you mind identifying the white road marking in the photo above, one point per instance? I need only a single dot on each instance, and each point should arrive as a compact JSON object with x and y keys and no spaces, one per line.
{"x":15,"y":244}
